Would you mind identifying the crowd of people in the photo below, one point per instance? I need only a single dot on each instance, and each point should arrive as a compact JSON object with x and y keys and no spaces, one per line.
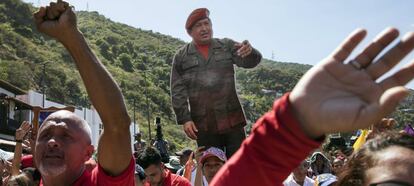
{"x":330,"y":164}
{"x":19,"y":169}
{"x":337,"y":95}
{"x":324,"y":167}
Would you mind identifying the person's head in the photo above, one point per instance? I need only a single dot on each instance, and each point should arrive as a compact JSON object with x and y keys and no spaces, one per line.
{"x":63,"y":144}
{"x":300,"y":172}
{"x":20,"y":180}
{"x":326,"y":179}
{"x":150,"y":161}
{"x":319,"y":159}
{"x":320,"y":163}
{"x":338,"y":153}
{"x":337,"y":165}
{"x":33,"y":174}
{"x":199,"y":26}
{"x":173,"y":165}
{"x":212,"y":160}
{"x":184,"y":155}
{"x":137,"y":136}
{"x":387,"y":158}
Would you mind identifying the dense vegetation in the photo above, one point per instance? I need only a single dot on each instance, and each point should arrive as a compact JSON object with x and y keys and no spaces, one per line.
{"x":139,"y":60}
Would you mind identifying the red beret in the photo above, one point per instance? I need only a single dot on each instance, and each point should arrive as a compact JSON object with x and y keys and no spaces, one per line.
{"x":195,"y":16}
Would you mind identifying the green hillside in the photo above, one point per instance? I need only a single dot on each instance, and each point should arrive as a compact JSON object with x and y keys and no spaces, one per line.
{"x":136,"y":58}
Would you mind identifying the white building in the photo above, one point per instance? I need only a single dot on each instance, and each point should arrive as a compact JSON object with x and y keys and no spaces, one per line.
{"x":12,"y":110}
{"x":33,"y":99}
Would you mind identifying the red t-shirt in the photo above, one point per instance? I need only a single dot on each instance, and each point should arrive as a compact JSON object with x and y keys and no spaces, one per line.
{"x":99,"y":177}
{"x":276,"y":146}
{"x":172,"y":180}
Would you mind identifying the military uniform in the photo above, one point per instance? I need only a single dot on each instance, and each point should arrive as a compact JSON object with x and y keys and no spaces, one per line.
{"x":203,"y":90}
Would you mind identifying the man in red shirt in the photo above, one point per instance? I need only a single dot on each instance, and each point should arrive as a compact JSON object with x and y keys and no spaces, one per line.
{"x":63,"y":143}
{"x":156,"y":172}
{"x":333,"y":96}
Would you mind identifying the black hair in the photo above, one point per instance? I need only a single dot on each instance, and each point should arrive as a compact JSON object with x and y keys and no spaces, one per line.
{"x":150,"y":156}
{"x":22,"y":180}
{"x":354,"y":170}
{"x":33,"y":172}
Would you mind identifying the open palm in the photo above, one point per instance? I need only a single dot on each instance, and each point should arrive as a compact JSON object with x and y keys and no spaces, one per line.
{"x":23,"y":130}
{"x":336,"y":96}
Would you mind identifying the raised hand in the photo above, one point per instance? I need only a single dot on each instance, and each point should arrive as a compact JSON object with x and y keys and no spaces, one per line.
{"x":199,"y":153}
{"x":342,"y":96}
{"x":188,"y":167}
{"x":103,"y":91}
{"x":199,"y":174}
{"x":23,"y":130}
{"x":56,"y":20}
{"x":28,"y":145}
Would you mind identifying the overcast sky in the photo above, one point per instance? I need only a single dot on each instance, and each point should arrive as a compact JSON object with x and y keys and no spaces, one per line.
{"x":301,"y":31}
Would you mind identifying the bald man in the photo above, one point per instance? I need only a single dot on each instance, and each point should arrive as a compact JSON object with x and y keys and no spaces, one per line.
{"x":63,"y":143}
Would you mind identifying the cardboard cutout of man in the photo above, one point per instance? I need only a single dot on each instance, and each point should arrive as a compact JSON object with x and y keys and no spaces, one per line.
{"x":203,"y":89}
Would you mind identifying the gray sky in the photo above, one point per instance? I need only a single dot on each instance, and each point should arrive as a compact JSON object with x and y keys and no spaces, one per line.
{"x":301,"y":31}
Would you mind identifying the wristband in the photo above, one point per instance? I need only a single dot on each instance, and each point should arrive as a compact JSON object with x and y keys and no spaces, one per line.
{"x":19,"y":141}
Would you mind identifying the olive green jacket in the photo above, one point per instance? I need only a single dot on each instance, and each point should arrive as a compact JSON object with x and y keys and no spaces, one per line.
{"x":203,"y":91}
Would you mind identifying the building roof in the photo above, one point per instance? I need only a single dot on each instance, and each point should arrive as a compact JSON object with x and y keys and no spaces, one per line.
{"x":16,"y":90}
{"x":20,"y":104}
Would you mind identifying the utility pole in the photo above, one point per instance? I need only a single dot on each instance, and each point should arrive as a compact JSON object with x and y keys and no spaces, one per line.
{"x":135,"y":124}
{"x":43,"y":84}
{"x":148,"y":106}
